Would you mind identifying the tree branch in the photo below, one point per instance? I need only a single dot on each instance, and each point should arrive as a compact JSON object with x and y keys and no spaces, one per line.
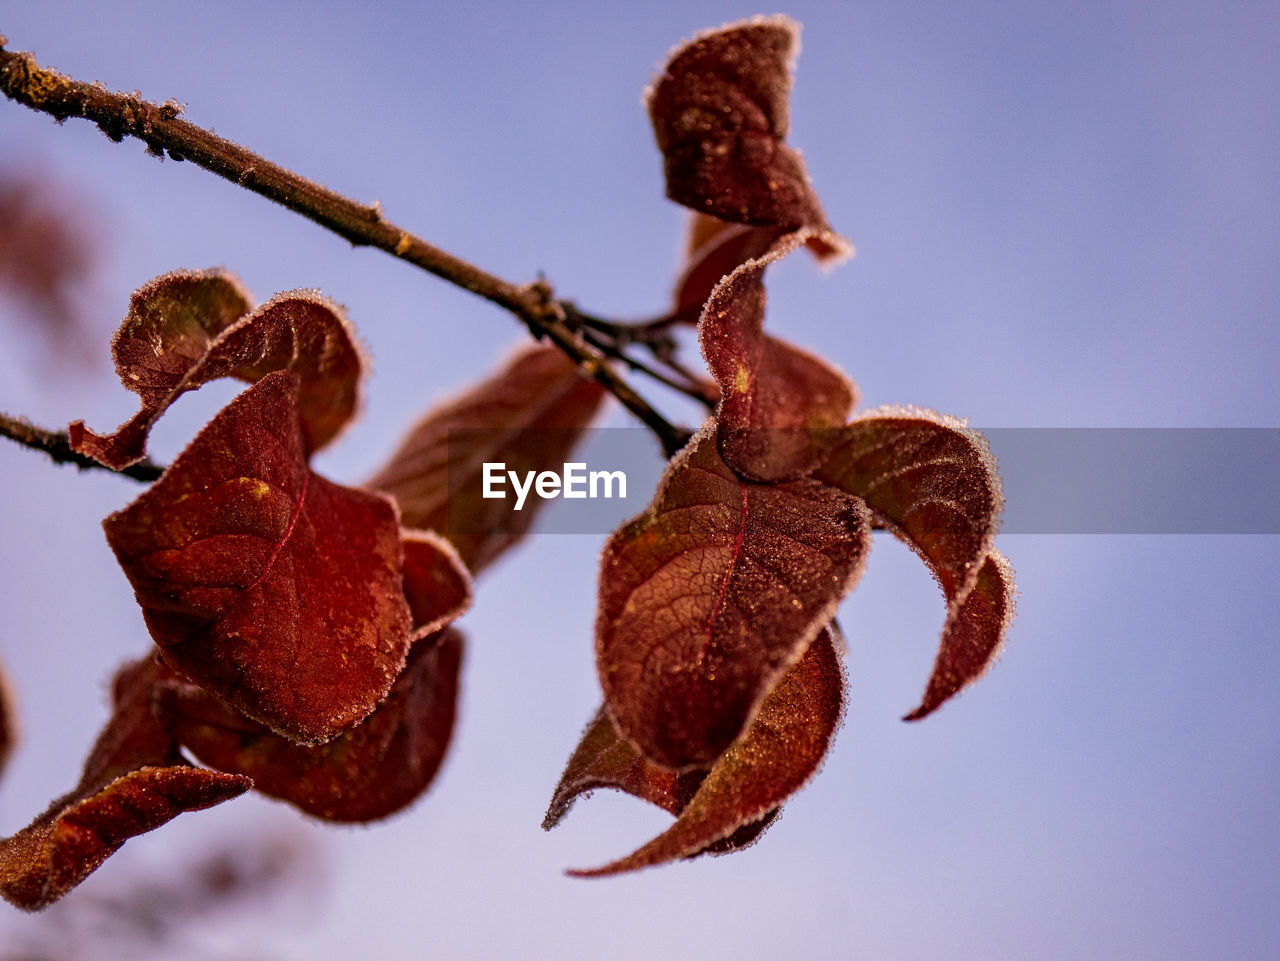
{"x":161,"y":128}
{"x":58,"y":447}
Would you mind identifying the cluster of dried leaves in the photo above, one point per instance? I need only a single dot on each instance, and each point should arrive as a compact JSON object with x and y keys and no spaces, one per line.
{"x":303,"y":645}
{"x":715,"y":640}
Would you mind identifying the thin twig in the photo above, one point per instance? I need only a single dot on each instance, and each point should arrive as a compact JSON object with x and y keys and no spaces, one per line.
{"x":58,"y":447}
{"x":689,"y":387}
{"x":161,"y":128}
{"x":614,"y":337}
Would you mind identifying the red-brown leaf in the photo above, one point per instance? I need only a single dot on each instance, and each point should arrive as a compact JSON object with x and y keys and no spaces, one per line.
{"x":717,"y":248}
{"x":132,"y":738}
{"x":928,"y":478}
{"x":44,"y":861}
{"x":274,"y":588}
{"x":370,"y":772}
{"x":973,"y":635}
{"x":48,"y":258}
{"x":709,"y":596}
{"x":777,"y":402}
{"x":133,"y":781}
{"x":8,"y":720}
{"x":740,"y":796}
{"x":719,"y":113}
{"x":437,"y":584}
{"x":527,"y":415}
{"x":605,"y":759}
{"x":933,"y":482}
{"x":185,"y":329}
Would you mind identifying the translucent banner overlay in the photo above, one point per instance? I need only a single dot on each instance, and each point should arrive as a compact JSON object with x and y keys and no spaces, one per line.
{"x":1074,"y":480}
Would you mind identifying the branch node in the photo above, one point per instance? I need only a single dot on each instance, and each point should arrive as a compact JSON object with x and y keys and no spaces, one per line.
{"x":161,"y":129}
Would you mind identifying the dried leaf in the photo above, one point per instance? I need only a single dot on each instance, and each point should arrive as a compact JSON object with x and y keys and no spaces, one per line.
{"x":605,"y":759}
{"x":719,"y":113}
{"x":778,"y":403}
{"x":778,"y":754}
{"x":47,"y":257}
{"x":933,"y":482}
{"x":709,"y":596}
{"x":528,"y":415}
{"x":370,"y":772}
{"x":132,"y":738}
{"x":134,"y":781}
{"x":437,"y":584}
{"x":973,"y":635}
{"x":185,"y":329}
{"x":44,"y":861}
{"x":8,"y":720}
{"x":274,"y":588}
{"x":930,"y":479}
{"x":716,"y":248}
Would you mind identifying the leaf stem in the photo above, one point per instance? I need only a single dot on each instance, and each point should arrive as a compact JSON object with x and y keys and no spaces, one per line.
{"x":162,"y":129}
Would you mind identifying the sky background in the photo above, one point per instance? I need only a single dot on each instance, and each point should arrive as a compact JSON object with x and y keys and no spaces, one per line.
{"x":1066,"y":216}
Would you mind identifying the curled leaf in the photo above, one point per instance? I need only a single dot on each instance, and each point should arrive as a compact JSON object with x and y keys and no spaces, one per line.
{"x":778,"y":403}
{"x":933,"y":482}
{"x":44,"y":861}
{"x":186,"y":328}
{"x":720,"y":116}
{"x":708,"y":597}
{"x":274,"y":588}
{"x":604,"y":758}
{"x":437,"y":584}
{"x":930,"y":479}
{"x":132,"y":738}
{"x":528,"y":415}
{"x":716,"y":248}
{"x":367,"y":773}
{"x":742,"y":792}
{"x":973,"y":636}
{"x":134,"y":781}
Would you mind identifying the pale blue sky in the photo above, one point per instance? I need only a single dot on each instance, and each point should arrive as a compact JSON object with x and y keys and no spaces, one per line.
{"x":1065,"y":216}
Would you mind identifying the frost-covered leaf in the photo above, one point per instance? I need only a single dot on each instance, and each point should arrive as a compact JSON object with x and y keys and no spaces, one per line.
{"x":274,"y":588}
{"x":716,"y":248}
{"x":933,"y":482}
{"x":720,"y":116}
{"x":528,"y":415}
{"x":732,"y":803}
{"x":437,"y":584}
{"x":134,"y":781}
{"x":973,"y":635}
{"x":367,"y":773}
{"x":709,"y":596}
{"x":44,"y":861}
{"x":930,"y":479}
{"x":778,"y":403}
{"x":605,"y":759}
{"x":186,"y":328}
